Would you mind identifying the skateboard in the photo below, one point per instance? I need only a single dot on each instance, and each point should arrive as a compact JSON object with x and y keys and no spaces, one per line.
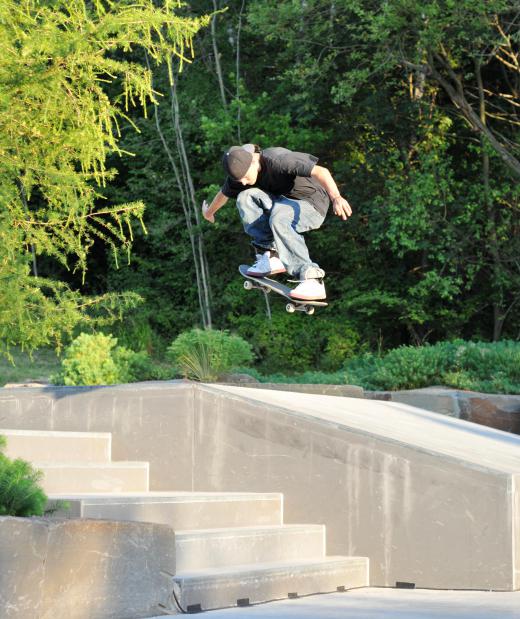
{"x":266,"y":285}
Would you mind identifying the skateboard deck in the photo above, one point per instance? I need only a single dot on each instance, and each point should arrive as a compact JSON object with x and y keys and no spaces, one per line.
{"x":266,"y":284}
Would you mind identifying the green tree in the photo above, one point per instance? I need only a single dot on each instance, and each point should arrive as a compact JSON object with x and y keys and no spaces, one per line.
{"x":431,"y":251}
{"x":439,"y":202}
{"x":67,"y":84}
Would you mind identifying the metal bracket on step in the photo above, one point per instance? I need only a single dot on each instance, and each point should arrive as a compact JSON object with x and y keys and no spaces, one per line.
{"x":404,"y":585}
{"x":243,"y":602}
{"x":292,"y":596}
{"x":194,"y":608}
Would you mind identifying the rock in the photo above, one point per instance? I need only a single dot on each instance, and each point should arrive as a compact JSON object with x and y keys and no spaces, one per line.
{"x":27,"y":383}
{"x":237,"y":378}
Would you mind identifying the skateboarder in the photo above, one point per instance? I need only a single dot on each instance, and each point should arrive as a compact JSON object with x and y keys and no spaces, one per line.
{"x":280,"y":194}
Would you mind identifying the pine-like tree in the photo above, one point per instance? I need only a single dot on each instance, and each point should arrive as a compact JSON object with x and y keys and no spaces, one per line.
{"x":62,"y":60}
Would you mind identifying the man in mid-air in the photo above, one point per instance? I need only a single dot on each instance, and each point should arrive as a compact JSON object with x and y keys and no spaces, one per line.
{"x":280,"y":194}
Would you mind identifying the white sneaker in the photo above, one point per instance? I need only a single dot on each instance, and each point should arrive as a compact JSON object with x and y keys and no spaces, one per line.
{"x":266,"y":265}
{"x":309,"y":290}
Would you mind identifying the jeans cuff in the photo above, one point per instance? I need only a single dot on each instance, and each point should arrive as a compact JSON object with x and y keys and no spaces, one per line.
{"x":263,"y":247}
{"x":311,"y":272}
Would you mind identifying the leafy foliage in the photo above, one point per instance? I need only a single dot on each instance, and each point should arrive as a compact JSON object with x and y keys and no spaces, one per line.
{"x":206,"y":354}
{"x":431,"y":251}
{"x":294,"y":343}
{"x":59,"y":123}
{"x":20,"y":493}
{"x":479,"y":366}
{"x":95,"y":359}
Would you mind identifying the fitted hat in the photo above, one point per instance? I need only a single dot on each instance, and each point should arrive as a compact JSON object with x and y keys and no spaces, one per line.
{"x":236,"y":161}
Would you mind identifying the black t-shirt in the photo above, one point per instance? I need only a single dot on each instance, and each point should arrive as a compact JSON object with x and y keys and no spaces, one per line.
{"x":285,"y":173}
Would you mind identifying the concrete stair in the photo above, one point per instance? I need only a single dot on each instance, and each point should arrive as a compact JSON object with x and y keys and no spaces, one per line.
{"x":76,"y":461}
{"x":91,"y":477}
{"x":219,"y":548}
{"x":49,"y":446}
{"x":232,"y":549}
{"x":241,"y":585}
{"x":180,"y":510}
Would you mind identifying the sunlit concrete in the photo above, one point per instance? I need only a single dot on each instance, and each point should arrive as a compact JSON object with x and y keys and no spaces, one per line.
{"x":431,"y":500}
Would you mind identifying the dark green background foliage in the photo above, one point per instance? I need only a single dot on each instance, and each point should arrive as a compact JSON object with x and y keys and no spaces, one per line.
{"x":423,"y":258}
{"x":431,"y":251}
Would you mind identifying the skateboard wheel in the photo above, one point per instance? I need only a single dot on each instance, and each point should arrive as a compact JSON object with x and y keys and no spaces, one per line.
{"x":309,"y":310}
{"x":290,"y":308}
{"x":248,"y":285}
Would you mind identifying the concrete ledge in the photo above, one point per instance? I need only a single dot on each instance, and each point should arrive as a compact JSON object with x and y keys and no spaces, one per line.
{"x":72,"y":569}
{"x":348,"y":391}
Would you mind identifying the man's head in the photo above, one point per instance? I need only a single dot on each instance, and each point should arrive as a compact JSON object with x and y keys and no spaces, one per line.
{"x":242,"y":164}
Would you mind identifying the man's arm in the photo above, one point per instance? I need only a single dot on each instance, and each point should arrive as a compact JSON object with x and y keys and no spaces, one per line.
{"x":209,"y":210}
{"x":339,"y":204}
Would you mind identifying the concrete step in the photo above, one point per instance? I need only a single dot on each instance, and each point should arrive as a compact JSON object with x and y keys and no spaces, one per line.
{"x":73,"y":477}
{"x":224,"y":547}
{"x":181,"y":510}
{"x":224,"y":587}
{"x":49,"y":446}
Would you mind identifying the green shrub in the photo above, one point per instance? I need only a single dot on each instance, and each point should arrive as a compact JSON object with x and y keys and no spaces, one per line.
{"x":206,"y":354}
{"x":292,"y":343}
{"x":304,"y":378}
{"x":142,"y":367}
{"x":136,"y":332}
{"x":479,"y":366}
{"x":20,"y":494}
{"x":488,"y":367}
{"x":97,"y":360}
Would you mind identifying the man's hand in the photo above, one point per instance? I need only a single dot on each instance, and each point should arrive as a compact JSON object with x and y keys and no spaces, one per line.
{"x":208,"y":216}
{"x":341,"y":207}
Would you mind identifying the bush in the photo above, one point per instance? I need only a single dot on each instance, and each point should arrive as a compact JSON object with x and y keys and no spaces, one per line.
{"x":207,"y":354}
{"x":20,"y":494}
{"x":479,"y":366}
{"x":97,"y":360}
{"x":294,"y":342}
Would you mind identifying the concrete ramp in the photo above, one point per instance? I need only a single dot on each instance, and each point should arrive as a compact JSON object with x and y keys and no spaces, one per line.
{"x":432,"y":501}
{"x":395,"y":422}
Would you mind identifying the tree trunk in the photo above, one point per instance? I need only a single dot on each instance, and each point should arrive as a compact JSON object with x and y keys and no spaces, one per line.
{"x":185,"y":204}
{"x":456,"y":94}
{"x":498,"y":297}
{"x":23,"y":197}
{"x":193,"y":207}
{"x":239,"y":28}
{"x":216,"y":53}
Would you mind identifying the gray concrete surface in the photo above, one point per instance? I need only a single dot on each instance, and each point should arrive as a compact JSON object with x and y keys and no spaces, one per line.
{"x":73,"y":569}
{"x":372,"y":603}
{"x":346,"y":391}
{"x":429,"y":499}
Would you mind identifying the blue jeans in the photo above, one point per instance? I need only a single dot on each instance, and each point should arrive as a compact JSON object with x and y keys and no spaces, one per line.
{"x":276,"y":223}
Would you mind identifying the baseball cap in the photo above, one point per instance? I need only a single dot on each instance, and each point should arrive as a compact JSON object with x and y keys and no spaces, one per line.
{"x":236,"y":161}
